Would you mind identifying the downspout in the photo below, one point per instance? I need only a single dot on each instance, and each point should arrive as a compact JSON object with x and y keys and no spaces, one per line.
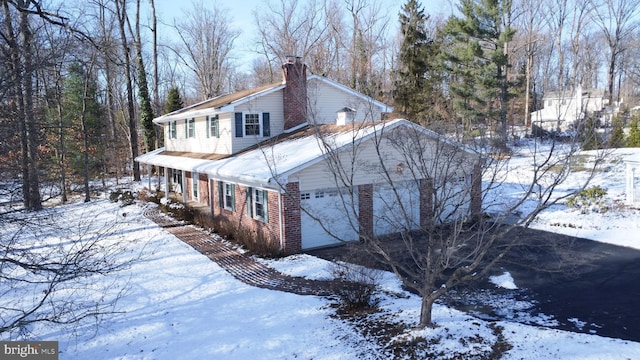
{"x":167,"y":186}
{"x":183,"y":174}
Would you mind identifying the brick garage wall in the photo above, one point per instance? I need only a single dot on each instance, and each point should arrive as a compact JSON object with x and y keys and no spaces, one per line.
{"x":292,"y":220}
{"x":365,"y":210}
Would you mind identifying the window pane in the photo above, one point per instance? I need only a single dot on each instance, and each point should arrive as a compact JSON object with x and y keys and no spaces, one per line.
{"x":191,"y":128}
{"x":252,"y":124}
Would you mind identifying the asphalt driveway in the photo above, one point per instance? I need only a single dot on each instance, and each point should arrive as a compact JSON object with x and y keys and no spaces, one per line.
{"x":586,"y":286}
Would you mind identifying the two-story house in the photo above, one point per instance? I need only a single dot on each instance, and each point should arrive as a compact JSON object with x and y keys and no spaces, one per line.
{"x":298,"y":161}
{"x":562,"y":109}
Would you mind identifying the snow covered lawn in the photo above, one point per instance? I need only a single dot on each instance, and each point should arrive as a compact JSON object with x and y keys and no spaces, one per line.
{"x":177,"y":304}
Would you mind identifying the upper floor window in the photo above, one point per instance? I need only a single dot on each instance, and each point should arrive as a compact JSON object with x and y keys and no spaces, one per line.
{"x":213,"y":126}
{"x":252,"y":124}
{"x":190,"y":128}
{"x":173,"y":130}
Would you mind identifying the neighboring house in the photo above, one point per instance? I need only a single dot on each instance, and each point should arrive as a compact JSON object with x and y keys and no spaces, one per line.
{"x":262,"y":159}
{"x":562,"y":109}
{"x":632,"y":179}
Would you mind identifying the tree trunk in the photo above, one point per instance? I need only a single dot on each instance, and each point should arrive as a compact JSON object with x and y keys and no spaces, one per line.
{"x":31,"y":126}
{"x":426,"y":309}
{"x":133,"y":129}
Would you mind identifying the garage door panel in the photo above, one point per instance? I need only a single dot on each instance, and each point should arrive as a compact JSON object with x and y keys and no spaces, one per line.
{"x":396,"y":208}
{"x":327,"y":219}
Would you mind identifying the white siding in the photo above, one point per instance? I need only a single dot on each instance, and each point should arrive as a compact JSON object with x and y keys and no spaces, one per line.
{"x":201,"y":143}
{"x":367,"y":167}
{"x":271,"y":103}
{"x":326,"y":100}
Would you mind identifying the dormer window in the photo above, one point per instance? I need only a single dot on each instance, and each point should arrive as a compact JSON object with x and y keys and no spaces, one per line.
{"x":190,"y":128}
{"x":173,"y":130}
{"x":213,"y":126}
{"x":252,"y":124}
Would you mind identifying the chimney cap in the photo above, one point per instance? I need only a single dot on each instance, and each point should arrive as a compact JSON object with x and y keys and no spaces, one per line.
{"x":291,"y":59}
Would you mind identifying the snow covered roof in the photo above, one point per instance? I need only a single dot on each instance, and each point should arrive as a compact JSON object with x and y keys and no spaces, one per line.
{"x":223,"y":103}
{"x":269,"y":164}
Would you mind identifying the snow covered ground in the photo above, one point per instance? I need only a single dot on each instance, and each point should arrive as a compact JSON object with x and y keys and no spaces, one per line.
{"x":178,"y":304}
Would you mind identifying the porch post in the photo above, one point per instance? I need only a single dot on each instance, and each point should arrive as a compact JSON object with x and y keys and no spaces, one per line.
{"x":166,"y":183}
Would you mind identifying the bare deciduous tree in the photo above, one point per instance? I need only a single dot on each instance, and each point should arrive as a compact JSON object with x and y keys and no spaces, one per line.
{"x":207,"y":41}
{"x":617,"y":19}
{"x":49,"y":269}
{"x":425,"y":206}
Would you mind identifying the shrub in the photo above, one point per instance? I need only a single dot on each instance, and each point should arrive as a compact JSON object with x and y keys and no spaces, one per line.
{"x":355,"y":286}
{"x":126,"y":197}
{"x":256,"y":242}
{"x":589,"y":199}
{"x":150,"y":196}
{"x":177,"y":210}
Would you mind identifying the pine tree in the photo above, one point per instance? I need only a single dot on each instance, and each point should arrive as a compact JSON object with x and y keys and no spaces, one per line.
{"x":616,"y":138}
{"x":478,"y":63}
{"x":634,"y":132}
{"x":416,"y":87}
{"x":174,"y":101}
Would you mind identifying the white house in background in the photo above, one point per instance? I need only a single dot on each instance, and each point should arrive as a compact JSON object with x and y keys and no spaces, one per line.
{"x":562,"y":109}
{"x":632,"y":188}
{"x":261,"y":159}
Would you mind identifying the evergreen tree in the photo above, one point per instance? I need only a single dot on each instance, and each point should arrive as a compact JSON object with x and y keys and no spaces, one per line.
{"x":616,"y":138}
{"x":82,"y":113}
{"x":477,"y":63}
{"x":146,"y":112}
{"x":634,"y":132}
{"x":590,"y":139}
{"x":418,"y":81}
{"x":174,"y":101}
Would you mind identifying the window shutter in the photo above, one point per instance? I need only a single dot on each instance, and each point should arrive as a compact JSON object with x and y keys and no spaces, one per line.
{"x":208,"y":126}
{"x":266,"y":126}
{"x":216,"y":119}
{"x":221,"y":194}
{"x":265,"y":202}
{"x":239,"y":130}
{"x":186,"y":128}
{"x":248,"y":202}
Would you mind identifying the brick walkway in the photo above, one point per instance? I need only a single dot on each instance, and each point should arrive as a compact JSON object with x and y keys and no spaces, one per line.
{"x":242,"y":267}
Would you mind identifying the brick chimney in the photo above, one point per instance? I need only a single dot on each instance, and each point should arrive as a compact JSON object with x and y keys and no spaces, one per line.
{"x":294,"y":74}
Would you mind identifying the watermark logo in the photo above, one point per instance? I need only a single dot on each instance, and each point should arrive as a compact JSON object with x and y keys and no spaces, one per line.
{"x":32,"y":350}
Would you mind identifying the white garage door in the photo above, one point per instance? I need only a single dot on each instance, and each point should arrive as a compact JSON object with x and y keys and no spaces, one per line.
{"x":327,"y":216}
{"x":395,"y":210}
